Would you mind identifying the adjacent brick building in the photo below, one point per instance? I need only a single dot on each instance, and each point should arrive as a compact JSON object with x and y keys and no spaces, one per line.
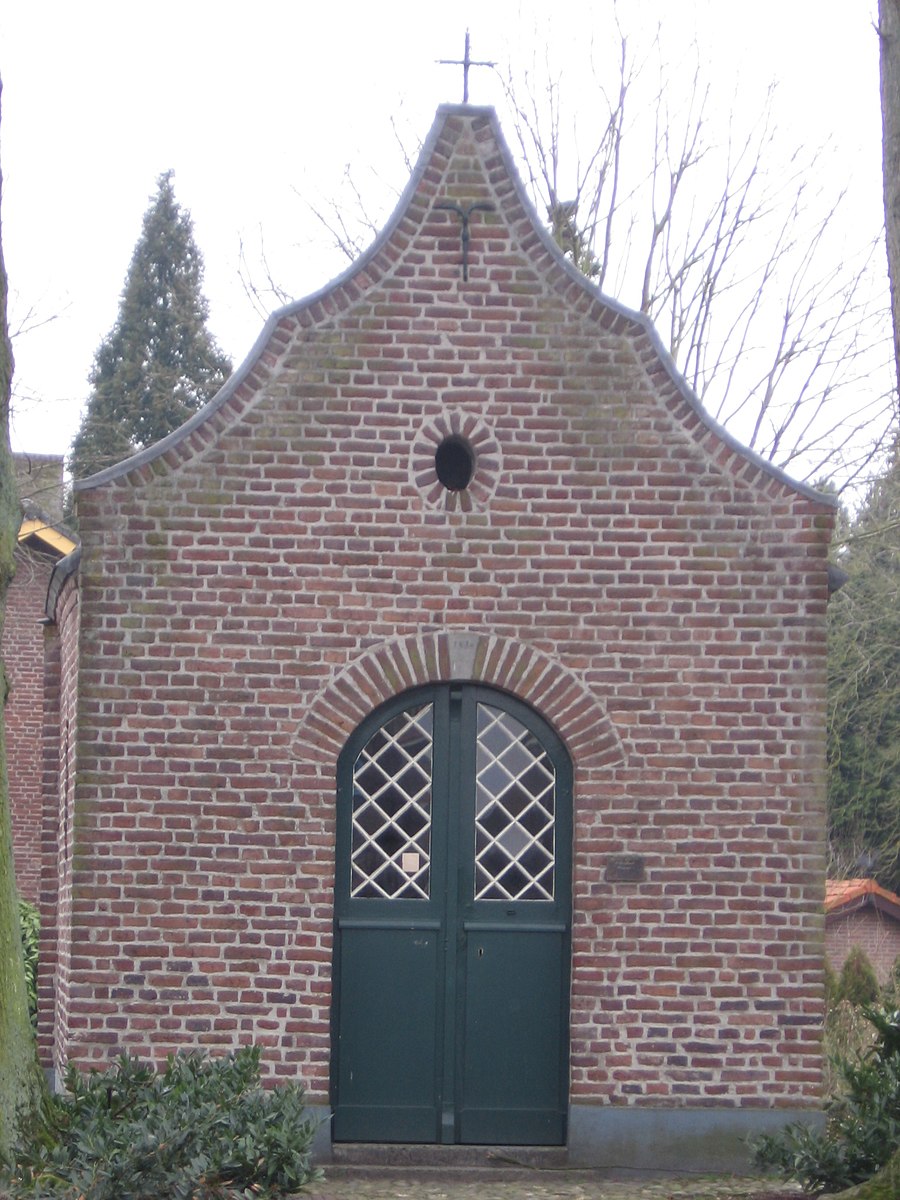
{"x":858,"y":912}
{"x":31,"y":720}
{"x":42,"y":542}
{"x":23,"y":657}
{"x":443,"y":707}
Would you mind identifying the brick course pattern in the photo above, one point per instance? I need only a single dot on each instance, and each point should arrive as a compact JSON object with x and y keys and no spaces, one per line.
{"x":59,"y":947}
{"x":23,"y":658}
{"x":30,"y":649}
{"x":874,"y":931}
{"x":253,"y":587}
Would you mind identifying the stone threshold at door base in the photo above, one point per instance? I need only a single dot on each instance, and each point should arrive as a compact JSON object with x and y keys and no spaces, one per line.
{"x":373,"y":1154}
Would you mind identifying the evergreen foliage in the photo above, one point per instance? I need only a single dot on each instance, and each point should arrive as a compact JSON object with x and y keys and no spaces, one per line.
{"x":891,"y":990}
{"x":30,"y":926}
{"x":864,"y":688}
{"x":832,"y":986}
{"x":863,"y":1126}
{"x":202,"y":1129}
{"x":159,"y":363}
{"x":846,"y":1034}
{"x":858,"y":983}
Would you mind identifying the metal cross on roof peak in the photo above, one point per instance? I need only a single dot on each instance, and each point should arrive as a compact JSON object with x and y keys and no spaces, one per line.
{"x":465,"y":62}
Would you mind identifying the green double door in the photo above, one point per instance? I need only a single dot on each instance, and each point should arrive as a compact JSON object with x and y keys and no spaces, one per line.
{"x":453,"y":908}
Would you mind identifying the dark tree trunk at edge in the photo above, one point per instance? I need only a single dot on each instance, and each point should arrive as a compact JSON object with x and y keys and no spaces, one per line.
{"x":21,"y":1081}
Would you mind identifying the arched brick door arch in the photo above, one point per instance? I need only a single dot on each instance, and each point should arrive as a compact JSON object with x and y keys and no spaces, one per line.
{"x":391,"y":667}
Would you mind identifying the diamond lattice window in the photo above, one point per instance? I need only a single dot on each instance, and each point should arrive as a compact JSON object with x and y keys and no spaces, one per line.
{"x":514,"y":811}
{"x":391,"y":848}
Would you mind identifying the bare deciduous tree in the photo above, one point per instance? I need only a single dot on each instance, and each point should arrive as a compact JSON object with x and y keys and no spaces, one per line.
{"x":728,"y":247}
{"x":727,"y":244}
{"x":889,"y":45}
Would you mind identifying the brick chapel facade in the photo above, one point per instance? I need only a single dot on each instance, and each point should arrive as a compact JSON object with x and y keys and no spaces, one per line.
{"x":443,"y":707}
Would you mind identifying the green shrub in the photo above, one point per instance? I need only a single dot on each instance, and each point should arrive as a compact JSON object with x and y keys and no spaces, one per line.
{"x":846,"y":1037}
{"x":863,"y":1120}
{"x":202,"y":1129}
{"x":832,"y":986}
{"x":30,"y":928}
{"x":858,"y":982}
{"x":890,"y":993}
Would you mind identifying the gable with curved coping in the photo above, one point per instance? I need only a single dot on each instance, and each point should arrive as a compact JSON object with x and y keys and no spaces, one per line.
{"x":506,"y":202}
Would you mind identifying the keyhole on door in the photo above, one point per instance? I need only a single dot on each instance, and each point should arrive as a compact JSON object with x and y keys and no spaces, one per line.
{"x":481,"y":951}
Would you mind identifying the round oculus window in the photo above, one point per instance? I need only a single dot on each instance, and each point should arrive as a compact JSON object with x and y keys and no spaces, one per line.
{"x":454,"y":462}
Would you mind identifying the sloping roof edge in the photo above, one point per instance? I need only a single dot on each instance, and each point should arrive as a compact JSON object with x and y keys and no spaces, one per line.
{"x":37,"y":526}
{"x":51,"y":536}
{"x":844,"y":896}
{"x":642,"y":322}
{"x":63,"y":570}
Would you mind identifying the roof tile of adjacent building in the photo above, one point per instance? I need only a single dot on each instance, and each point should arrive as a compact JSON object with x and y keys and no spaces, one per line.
{"x":859,"y":893}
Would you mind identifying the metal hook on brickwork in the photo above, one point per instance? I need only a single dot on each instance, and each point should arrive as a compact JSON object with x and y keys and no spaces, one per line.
{"x":464,"y":214}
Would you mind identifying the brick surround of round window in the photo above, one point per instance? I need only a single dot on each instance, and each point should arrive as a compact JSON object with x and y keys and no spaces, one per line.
{"x":467,"y":428}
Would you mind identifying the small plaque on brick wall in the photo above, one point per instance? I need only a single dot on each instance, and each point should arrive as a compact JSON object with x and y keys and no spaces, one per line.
{"x":626,"y":868}
{"x":463,"y":647}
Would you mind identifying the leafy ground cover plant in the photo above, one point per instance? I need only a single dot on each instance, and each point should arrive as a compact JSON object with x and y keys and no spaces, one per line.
{"x":30,"y":927}
{"x":202,"y":1129}
{"x":863,"y":1119}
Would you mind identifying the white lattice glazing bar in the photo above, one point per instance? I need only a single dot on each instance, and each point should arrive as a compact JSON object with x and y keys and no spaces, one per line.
{"x":391,"y":828}
{"x":515,"y":811}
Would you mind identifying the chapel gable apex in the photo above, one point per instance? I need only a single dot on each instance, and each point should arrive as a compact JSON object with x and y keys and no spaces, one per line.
{"x":465,"y":201}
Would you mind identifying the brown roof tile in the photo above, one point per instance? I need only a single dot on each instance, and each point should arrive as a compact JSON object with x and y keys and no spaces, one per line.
{"x":839,"y":892}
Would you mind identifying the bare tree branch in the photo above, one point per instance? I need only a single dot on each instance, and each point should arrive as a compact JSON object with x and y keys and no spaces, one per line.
{"x":262,"y":297}
{"x":728,"y":247}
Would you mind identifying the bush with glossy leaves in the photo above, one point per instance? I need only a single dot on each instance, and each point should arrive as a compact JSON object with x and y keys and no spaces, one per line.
{"x":863,"y":1120}
{"x":202,"y":1129}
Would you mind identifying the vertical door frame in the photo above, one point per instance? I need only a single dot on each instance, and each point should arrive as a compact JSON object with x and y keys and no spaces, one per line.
{"x":445,"y":695}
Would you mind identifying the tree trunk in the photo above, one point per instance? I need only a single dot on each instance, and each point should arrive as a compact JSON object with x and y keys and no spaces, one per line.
{"x":21,"y":1081}
{"x":889,"y":35}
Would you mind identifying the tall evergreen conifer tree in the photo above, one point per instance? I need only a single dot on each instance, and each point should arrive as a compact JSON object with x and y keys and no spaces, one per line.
{"x":159,"y":363}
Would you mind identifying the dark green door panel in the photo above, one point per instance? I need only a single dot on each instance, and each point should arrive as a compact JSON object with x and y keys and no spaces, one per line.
{"x":452,"y":937}
{"x":388,"y":1033}
{"x":513,"y":1078}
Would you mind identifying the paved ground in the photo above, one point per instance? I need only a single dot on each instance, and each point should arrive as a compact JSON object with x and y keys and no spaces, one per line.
{"x":554,"y":1184}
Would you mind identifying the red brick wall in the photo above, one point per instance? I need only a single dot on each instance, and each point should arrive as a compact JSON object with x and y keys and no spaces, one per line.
{"x":250,"y":594}
{"x":877,"y":934}
{"x":50,"y":857}
{"x":61,"y":771}
{"x":23,"y":656}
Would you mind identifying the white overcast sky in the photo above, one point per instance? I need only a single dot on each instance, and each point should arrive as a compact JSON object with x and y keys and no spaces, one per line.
{"x":256,"y":107}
